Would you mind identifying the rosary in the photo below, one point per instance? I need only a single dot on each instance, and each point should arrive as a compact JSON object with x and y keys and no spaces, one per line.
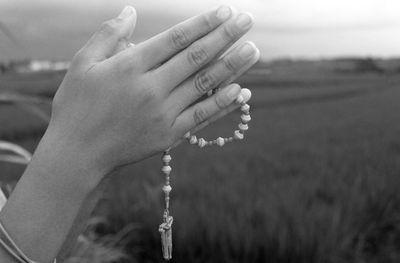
{"x":165,"y":227}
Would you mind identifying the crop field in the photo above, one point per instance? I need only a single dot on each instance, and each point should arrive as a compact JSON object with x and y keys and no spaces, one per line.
{"x":316,"y":179}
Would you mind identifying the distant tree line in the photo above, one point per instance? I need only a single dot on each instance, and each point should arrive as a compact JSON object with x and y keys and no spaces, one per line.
{"x":368,"y":65}
{"x":3,"y":68}
{"x":12,"y":65}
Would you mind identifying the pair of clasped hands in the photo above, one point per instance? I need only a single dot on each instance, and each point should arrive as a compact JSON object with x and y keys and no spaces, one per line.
{"x":123,"y":102}
{"x":118,"y":104}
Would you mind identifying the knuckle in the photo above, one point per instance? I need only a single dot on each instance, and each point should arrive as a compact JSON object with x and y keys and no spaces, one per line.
{"x":228,"y":34}
{"x":109,"y":27}
{"x":149,"y":94}
{"x":199,"y":115}
{"x":197,"y":56}
{"x":204,"y":82}
{"x":160,"y":119}
{"x":129,"y":66}
{"x":179,"y":38}
{"x":207,"y":22}
{"x":229,"y":64}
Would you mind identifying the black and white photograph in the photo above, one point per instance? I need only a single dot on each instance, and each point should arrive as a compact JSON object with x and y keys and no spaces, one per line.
{"x":240,"y":131}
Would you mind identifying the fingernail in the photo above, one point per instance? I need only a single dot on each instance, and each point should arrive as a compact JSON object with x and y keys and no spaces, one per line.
{"x":247,"y":51}
{"x":127,"y":12}
{"x":223,"y":13}
{"x":233,"y":92}
{"x":244,"y":21}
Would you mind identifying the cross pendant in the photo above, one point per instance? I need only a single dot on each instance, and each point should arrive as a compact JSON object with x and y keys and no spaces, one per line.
{"x":165,"y":230}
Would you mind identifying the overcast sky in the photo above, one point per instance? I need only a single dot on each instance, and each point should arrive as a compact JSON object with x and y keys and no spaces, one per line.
{"x":284,"y":28}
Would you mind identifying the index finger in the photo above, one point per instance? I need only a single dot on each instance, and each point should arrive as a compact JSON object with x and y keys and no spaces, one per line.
{"x":161,"y":47}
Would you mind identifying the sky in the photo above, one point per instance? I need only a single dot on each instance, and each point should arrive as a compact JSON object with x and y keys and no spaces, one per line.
{"x":56,"y":29}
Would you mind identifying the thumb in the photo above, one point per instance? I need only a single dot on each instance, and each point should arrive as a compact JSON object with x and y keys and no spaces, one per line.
{"x":111,"y":35}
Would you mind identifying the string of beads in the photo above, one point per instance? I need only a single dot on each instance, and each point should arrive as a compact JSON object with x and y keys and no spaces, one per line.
{"x":165,"y":227}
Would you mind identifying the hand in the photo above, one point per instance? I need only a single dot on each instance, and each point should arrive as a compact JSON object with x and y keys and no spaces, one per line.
{"x":120,"y":105}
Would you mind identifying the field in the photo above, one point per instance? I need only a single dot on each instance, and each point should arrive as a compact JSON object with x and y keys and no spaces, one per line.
{"x":316,"y":180}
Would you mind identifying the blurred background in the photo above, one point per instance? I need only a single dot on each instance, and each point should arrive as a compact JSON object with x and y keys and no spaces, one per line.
{"x":315,"y":180}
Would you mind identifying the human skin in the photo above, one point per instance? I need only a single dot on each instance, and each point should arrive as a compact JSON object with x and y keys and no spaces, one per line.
{"x":118,"y":105}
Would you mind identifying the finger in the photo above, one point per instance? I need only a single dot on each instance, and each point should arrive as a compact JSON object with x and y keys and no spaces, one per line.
{"x":245,"y":93}
{"x":123,"y":45}
{"x":202,"y":111}
{"x":237,"y":60}
{"x":161,"y":47}
{"x":111,"y":35}
{"x":241,"y":71}
{"x":203,"y":51}
{"x":229,"y":45}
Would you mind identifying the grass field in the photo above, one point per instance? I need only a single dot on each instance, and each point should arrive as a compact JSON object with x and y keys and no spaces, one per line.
{"x":316,"y":180}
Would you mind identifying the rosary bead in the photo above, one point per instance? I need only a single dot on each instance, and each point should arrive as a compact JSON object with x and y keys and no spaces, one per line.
{"x":239,"y":99}
{"x":245,"y":93}
{"x":166,"y":158}
{"x":166,"y":169}
{"x":202,"y":143}
{"x":245,"y":118}
{"x":237,"y":135}
{"x":243,"y":127}
{"x":167,"y":189}
{"x":193,"y":139}
{"x":165,"y":227}
{"x":220,"y":141}
{"x":245,"y":108}
{"x":187,"y":135}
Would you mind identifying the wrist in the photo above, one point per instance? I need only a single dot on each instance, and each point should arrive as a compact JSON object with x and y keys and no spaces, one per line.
{"x":72,"y":162}
{"x":58,"y":183}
